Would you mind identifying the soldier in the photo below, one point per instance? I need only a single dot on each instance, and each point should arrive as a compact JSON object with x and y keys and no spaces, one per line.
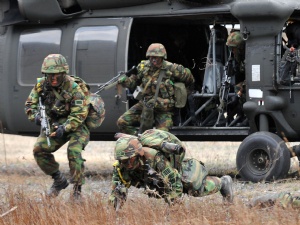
{"x":149,"y":168}
{"x":66,"y":107}
{"x":289,"y":67}
{"x":236,"y":45}
{"x":147,"y":76}
{"x":285,"y":199}
{"x":290,"y":63}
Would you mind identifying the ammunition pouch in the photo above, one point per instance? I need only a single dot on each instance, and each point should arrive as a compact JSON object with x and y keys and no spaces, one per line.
{"x":61,"y":108}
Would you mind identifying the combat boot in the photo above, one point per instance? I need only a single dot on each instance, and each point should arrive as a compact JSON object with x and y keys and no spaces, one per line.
{"x":60,"y":182}
{"x":226,"y":188}
{"x":77,"y":192}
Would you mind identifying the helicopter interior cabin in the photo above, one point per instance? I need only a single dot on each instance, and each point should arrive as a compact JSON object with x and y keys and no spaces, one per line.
{"x":195,"y":43}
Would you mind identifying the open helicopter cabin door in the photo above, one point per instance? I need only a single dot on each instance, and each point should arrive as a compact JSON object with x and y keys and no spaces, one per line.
{"x":215,"y":61}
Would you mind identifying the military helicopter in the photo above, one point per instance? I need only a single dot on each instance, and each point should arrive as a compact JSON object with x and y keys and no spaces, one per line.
{"x":101,"y":38}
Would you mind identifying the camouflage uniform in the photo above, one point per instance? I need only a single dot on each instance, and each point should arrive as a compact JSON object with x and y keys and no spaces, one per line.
{"x":148,"y":168}
{"x":236,"y":44}
{"x":71,"y":113}
{"x":146,"y":77}
{"x":168,"y":187}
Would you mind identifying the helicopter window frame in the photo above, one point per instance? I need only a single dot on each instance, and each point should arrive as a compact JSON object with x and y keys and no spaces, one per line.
{"x":95,"y":52}
{"x":34,"y":45}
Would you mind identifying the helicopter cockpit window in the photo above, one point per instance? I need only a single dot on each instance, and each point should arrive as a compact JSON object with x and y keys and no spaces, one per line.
{"x":34,"y":45}
{"x":94,"y":53}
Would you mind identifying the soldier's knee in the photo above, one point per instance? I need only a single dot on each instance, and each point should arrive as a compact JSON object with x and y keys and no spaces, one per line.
{"x":75,"y":157}
{"x":121,"y":122}
{"x":37,"y":150}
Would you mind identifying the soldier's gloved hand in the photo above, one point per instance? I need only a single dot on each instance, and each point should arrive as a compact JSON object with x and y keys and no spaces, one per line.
{"x":37,"y":119}
{"x":111,"y":199}
{"x":60,"y":131}
{"x":122,"y":79}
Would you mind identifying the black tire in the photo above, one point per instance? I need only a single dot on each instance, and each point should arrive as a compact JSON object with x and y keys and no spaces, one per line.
{"x":263,"y":156}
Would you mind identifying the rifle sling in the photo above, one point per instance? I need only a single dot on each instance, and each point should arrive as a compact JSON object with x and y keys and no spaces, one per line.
{"x":58,"y":95}
{"x":160,"y":77}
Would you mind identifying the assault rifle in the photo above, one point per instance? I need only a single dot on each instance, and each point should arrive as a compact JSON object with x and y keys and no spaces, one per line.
{"x":45,"y":126}
{"x":120,"y":193}
{"x":112,"y":82}
{"x":224,"y":90}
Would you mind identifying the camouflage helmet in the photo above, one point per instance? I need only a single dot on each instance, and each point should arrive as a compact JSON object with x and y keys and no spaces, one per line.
{"x":55,"y":63}
{"x":127,"y":147}
{"x":156,"y":49}
{"x":235,"y":39}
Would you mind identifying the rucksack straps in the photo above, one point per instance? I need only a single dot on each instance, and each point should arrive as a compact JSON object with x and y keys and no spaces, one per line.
{"x":58,"y":96}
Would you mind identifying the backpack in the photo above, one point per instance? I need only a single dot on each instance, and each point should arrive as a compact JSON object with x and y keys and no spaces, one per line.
{"x":155,"y":138}
{"x":96,"y":113}
{"x":180,"y":94}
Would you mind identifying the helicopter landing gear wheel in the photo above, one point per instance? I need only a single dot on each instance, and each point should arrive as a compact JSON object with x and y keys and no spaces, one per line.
{"x":263,"y":156}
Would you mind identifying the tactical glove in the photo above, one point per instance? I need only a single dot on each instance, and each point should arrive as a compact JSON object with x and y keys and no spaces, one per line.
{"x":111,"y":199}
{"x":118,"y":197}
{"x":37,"y":119}
{"x":60,"y":131}
{"x":122,"y":79}
{"x":133,"y":70}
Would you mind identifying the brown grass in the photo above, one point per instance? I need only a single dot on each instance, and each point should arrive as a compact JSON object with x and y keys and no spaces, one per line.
{"x":23,"y":187}
{"x":32,"y":208}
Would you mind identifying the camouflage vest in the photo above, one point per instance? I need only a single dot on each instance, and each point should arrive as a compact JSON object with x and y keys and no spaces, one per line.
{"x":176,"y":92}
{"x":96,"y":113}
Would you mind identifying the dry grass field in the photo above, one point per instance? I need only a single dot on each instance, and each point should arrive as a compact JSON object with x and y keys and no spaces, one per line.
{"x":22,"y":188}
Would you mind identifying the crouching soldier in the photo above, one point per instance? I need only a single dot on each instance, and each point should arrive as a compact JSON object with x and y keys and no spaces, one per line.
{"x":149,"y":168}
{"x":60,"y":107}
